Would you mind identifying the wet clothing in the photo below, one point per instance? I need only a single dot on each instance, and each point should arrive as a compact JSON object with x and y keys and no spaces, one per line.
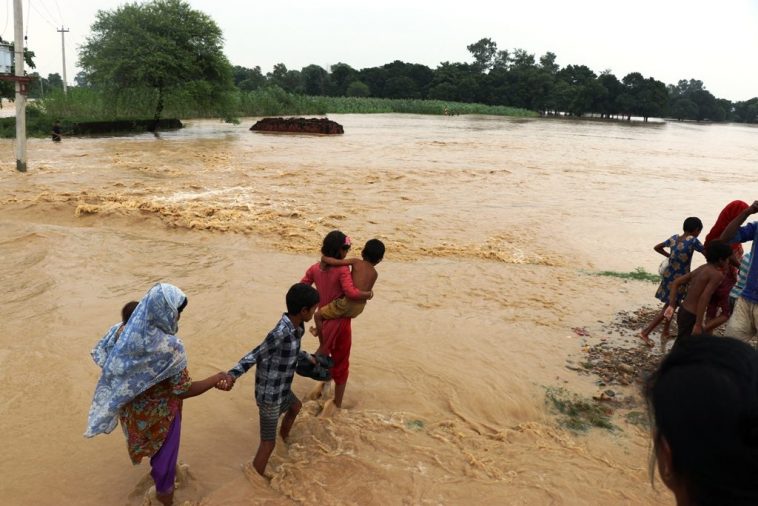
{"x":680,"y":258}
{"x":163,"y":463}
{"x":146,"y":353}
{"x":269,"y":414}
{"x":276,"y":359}
{"x":333,"y":283}
{"x":147,"y":419}
{"x":685,"y":322}
{"x":342,"y":308}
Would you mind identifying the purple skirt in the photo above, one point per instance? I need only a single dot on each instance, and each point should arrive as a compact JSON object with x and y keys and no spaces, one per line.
{"x":163,"y":463}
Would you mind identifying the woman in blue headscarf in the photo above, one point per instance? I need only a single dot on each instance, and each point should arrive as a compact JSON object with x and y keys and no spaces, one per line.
{"x":143,"y":382}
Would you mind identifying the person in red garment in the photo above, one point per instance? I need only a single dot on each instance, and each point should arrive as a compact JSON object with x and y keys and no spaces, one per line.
{"x":332,"y":283}
{"x":719,"y":308}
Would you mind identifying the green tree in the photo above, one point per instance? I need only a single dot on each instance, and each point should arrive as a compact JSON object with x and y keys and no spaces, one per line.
{"x":400,"y":87}
{"x":747,"y":111}
{"x":547,"y":62}
{"x":55,"y":81}
{"x":683,"y":108}
{"x":248,"y":79}
{"x":357,"y":89}
{"x":288,"y":80}
{"x":484,"y":52}
{"x":163,"y":45}
{"x":521,"y":59}
{"x":374,"y":78}
{"x":82,"y":79}
{"x":607,"y":105}
{"x":342,"y":76}
{"x":315,"y":80}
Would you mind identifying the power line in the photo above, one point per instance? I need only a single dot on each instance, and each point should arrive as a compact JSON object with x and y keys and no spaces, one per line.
{"x":57,"y":6}
{"x":42,"y":16}
{"x":44,"y":5}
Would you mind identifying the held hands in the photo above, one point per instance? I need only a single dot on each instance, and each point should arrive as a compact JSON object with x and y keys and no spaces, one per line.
{"x":668,"y":312}
{"x":697,"y":330}
{"x":225,"y":381}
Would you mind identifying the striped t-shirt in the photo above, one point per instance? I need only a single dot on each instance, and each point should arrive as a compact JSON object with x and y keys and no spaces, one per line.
{"x":742,"y":276}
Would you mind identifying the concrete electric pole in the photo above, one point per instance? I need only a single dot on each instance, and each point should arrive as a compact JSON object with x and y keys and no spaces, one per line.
{"x":63,"y":48}
{"x":20,"y":87}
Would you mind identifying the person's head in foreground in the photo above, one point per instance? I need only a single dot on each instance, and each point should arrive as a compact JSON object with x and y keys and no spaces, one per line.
{"x":373,"y":251}
{"x":302,"y":301}
{"x":703,"y":403}
{"x":692,"y":226}
{"x":717,"y":253}
{"x":335,"y":245}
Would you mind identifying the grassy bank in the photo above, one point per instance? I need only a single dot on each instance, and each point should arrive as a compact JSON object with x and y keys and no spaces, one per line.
{"x":86,"y":105}
{"x":275,"y":101}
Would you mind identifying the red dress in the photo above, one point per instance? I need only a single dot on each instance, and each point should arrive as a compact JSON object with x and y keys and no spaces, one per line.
{"x":333,"y":283}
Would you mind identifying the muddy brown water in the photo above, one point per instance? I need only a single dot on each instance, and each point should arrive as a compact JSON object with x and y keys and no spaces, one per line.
{"x":492,"y":226}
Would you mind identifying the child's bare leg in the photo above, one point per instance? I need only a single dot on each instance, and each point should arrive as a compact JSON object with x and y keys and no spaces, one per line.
{"x":289,"y":419}
{"x":645,"y":333}
{"x":319,"y":322}
{"x":715,"y":323}
{"x":339,"y":392}
{"x":666,"y":332}
{"x":265,"y":449}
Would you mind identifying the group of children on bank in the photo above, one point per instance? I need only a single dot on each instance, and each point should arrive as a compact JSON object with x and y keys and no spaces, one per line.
{"x":723,"y":290}
{"x":144,"y":365}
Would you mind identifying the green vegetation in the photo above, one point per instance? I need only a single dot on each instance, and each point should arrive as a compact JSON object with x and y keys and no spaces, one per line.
{"x":162,"y":57}
{"x":275,"y":101}
{"x":513,"y":78}
{"x":578,"y":414}
{"x":157,"y":49}
{"x":639,"y":274}
{"x":84,"y":104}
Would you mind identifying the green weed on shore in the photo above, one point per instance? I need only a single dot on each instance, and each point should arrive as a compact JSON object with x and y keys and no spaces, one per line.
{"x":639,"y":274}
{"x":576,"y":413}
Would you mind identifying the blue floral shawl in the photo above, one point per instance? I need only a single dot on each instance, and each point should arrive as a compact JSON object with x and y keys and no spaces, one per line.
{"x":147,"y":352}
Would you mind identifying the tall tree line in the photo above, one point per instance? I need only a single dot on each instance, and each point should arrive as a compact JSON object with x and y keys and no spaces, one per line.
{"x":514,"y":78}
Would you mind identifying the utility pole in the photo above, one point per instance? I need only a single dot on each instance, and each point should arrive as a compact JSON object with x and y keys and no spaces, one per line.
{"x":63,"y":49}
{"x":20,"y":90}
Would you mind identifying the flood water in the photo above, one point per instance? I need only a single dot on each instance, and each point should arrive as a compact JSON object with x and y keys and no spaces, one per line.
{"x":493,"y":227}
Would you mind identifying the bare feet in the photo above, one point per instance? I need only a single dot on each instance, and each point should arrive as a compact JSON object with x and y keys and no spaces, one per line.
{"x":329,"y":409}
{"x":317,"y":392}
{"x":646,"y":339}
{"x":252,"y":475}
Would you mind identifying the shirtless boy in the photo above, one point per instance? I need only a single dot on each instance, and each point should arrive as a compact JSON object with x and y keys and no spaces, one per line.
{"x":701,"y":284}
{"x":364,"y":276}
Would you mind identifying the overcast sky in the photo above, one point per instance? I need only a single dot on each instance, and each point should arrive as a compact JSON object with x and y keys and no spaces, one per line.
{"x":716,"y":42}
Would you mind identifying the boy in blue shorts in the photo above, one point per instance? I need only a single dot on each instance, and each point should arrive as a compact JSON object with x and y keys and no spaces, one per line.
{"x":277,"y":358}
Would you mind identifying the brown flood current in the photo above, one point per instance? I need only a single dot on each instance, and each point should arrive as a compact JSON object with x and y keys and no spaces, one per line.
{"x":492,"y":226}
